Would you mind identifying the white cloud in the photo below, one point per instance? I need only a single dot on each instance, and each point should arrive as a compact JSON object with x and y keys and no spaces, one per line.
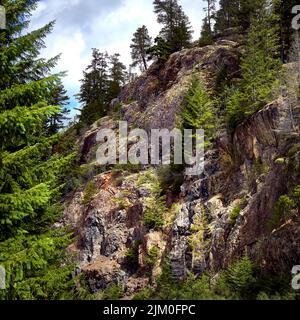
{"x":104,"y":24}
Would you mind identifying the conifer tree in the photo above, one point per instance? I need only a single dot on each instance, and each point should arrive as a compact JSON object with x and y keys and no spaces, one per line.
{"x":94,"y":87}
{"x":160,"y":50}
{"x":30,"y":175}
{"x":117,"y":76}
{"x":58,"y":98}
{"x":176,"y":29}
{"x":141,"y":42}
{"x":206,"y":36}
{"x":198,"y":112}
{"x":284,"y":10}
{"x":235,"y":13}
{"x":260,"y":66}
{"x":210,"y":12}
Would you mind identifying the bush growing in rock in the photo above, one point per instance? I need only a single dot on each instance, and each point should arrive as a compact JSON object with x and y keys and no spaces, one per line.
{"x":282,"y":211}
{"x":89,"y":192}
{"x":132,"y":255}
{"x":152,"y":257}
{"x":234,"y":214}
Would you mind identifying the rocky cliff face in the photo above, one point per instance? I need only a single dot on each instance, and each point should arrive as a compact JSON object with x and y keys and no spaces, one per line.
{"x":218,"y":216}
{"x":247,"y":175}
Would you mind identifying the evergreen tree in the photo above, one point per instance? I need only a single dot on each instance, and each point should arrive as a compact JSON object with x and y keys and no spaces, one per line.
{"x":117,"y":75}
{"x":284,"y":10}
{"x":58,"y":98}
{"x":176,"y":31}
{"x":206,"y":37}
{"x":235,"y":13}
{"x":210,"y":13}
{"x":260,"y":66}
{"x":198,"y":112}
{"x":240,"y":278}
{"x":130,"y":75}
{"x":161,"y":50}
{"x":30,"y":175}
{"x":94,"y":87}
{"x":141,"y":42}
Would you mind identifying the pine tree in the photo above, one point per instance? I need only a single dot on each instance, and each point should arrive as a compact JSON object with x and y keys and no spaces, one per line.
{"x":58,"y":98}
{"x":260,"y":66}
{"x":224,"y":16}
{"x":117,"y":75}
{"x":206,"y":37}
{"x":240,"y":277}
{"x":160,"y":50}
{"x":141,"y":42}
{"x":93,"y":90}
{"x":197,"y":112}
{"x":30,"y":175}
{"x":210,"y":13}
{"x":176,"y":29}
{"x":235,"y":13}
{"x":284,"y":10}
{"x":130,"y":75}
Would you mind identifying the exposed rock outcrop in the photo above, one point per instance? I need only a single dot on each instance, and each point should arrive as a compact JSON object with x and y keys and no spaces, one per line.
{"x":155,"y":98}
{"x":242,"y":175}
{"x":251,"y":179}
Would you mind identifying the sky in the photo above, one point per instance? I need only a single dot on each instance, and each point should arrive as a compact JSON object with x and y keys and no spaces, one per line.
{"x":107,"y":25}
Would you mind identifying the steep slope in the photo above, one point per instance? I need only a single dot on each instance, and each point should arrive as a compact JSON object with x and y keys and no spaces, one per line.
{"x":218,"y":217}
{"x":245,"y":176}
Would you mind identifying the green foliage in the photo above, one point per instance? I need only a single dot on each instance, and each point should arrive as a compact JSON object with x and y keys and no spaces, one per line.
{"x":140,"y":45}
{"x":282,"y":212}
{"x":31,"y":173}
{"x":89,"y":192}
{"x":161,"y":50}
{"x":235,"y":13}
{"x":171,"y":177}
{"x":153,"y":212}
{"x":112,"y":292}
{"x":260,"y":67}
{"x":145,"y":294}
{"x":198,"y":112}
{"x":207,"y":28}
{"x":58,"y":98}
{"x":132,"y":254}
{"x":242,"y":281}
{"x":234,"y":214}
{"x":32,"y":264}
{"x":176,"y":33}
{"x":127,"y":168}
{"x":152,"y":257}
{"x":155,"y":202}
{"x":192,"y":288}
{"x":102,"y":82}
{"x":222,"y":81}
{"x":237,"y":282}
{"x":206,"y":37}
{"x":296,"y":195}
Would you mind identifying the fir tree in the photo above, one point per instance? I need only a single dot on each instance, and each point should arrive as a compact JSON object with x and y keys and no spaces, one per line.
{"x":117,"y":75}
{"x":206,"y":37}
{"x":93,"y":90}
{"x":58,"y":98}
{"x":284,"y":10}
{"x":260,"y":66}
{"x":141,"y":42}
{"x":235,"y":13}
{"x":30,"y":175}
{"x":161,"y":50}
{"x":176,"y":29}
{"x":198,"y":112}
{"x":210,"y":13}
